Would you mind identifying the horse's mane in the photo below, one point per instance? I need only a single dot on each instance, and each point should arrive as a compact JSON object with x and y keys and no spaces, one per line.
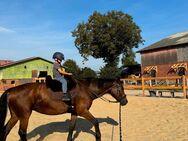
{"x":98,"y":82}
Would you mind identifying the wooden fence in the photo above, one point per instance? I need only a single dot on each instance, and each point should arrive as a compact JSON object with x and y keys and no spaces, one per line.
{"x":4,"y":87}
{"x":171,"y":84}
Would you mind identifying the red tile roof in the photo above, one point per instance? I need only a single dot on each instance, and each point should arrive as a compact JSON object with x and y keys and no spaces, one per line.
{"x":21,"y":61}
{"x":5,"y":62}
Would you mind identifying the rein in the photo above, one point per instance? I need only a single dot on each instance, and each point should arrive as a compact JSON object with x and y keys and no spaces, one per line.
{"x":107,"y":100}
{"x":120,"y":128}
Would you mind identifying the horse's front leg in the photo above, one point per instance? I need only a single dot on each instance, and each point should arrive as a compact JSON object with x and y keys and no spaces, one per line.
{"x":71,"y":126}
{"x":94,"y":121}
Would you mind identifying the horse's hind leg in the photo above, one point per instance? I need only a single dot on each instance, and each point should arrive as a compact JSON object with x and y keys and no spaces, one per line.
{"x":10,"y":124}
{"x":95,"y":122}
{"x":23,"y":127}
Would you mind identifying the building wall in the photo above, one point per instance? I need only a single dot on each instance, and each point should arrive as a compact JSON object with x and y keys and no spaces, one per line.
{"x":164,"y":59}
{"x":1,"y":74}
{"x":159,"y":57}
{"x":164,"y":70}
{"x":24,"y":70}
{"x":182,"y":53}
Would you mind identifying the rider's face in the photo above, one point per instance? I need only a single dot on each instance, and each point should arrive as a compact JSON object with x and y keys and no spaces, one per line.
{"x":57,"y":60}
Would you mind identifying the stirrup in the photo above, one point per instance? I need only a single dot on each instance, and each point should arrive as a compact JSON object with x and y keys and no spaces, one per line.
{"x":66,"y":98}
{"x":71,"y":109}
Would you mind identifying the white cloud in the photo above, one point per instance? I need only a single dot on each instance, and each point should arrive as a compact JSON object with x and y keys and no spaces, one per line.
{"x":3,"y":29}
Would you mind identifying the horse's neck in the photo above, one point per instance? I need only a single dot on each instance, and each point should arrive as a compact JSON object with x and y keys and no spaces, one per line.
{"x":99,"y":92}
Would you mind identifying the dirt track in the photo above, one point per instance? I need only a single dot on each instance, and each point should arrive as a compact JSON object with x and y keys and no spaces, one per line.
{"x":143,"y":119}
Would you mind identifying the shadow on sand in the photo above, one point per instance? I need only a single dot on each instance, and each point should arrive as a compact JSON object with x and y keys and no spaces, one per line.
{"x":82,"y":125}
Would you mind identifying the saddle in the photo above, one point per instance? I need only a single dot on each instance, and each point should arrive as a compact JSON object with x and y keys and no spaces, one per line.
{"x":53,"y":84}
{"x":56,"y":86}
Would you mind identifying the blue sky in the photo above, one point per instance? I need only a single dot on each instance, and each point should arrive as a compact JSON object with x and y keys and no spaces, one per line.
{"x":41,"y":27}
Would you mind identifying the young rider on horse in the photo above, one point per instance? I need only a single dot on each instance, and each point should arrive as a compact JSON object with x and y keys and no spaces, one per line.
{"x":59,"y":72}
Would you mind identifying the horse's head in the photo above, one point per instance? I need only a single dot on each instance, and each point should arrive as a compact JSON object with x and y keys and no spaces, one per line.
{"x":117,"y":91}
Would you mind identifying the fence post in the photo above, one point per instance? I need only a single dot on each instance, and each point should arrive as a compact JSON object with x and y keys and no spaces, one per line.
{"x":184,"y":86}
{"x":143,"y":86}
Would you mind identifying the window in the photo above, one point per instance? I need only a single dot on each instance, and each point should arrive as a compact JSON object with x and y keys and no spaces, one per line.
{"x":43,"y":74}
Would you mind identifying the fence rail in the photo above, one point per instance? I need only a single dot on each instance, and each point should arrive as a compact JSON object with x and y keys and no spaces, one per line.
{"x":4,"y":87}
{"x":174,"y":83}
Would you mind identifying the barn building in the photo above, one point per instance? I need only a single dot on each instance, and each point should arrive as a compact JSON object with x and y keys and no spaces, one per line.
{"x":25,"y":70}
{"x":167,"y":57}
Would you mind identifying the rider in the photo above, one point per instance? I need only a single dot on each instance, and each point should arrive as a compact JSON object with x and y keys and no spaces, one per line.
{"x":59,"y":72}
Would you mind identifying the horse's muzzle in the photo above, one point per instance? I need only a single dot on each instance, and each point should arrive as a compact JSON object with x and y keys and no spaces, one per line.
{"x":123,"y":101}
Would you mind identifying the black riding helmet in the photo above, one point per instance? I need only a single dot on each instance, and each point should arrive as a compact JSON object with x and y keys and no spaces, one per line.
{"x":58,"y":55}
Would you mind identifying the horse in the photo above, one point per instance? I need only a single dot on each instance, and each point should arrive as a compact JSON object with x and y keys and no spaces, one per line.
{"x":40,"y":97}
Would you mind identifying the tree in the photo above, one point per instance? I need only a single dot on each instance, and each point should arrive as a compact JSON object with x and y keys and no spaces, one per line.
{"x":109,"y":72}
{"x":88,"y":73}
{"x":71,"y":66}
{"x":129,"y":58}
{"x":107,"y":36}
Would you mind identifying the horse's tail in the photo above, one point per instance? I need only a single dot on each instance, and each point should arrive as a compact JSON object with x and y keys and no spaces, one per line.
{"x":3,"y":110}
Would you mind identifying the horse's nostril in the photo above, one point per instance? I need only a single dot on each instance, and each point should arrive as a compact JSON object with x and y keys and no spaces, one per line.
{"x":123,"y":102}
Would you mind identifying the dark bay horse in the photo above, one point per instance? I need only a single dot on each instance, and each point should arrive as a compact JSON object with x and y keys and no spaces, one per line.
{"x":40,"y":97}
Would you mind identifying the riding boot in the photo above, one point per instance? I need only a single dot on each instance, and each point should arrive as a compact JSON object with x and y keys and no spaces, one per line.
{"x":66,"y":97}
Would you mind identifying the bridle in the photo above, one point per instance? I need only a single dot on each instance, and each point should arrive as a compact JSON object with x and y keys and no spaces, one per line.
{"x":118,"y":87}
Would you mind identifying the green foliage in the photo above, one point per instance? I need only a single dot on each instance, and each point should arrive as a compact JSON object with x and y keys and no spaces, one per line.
{"x":129,"y":58}
{"x":88,"y":73}
{"x":107,"y":36}
{"x":109,"y":72}
{"x":71,"y":66}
